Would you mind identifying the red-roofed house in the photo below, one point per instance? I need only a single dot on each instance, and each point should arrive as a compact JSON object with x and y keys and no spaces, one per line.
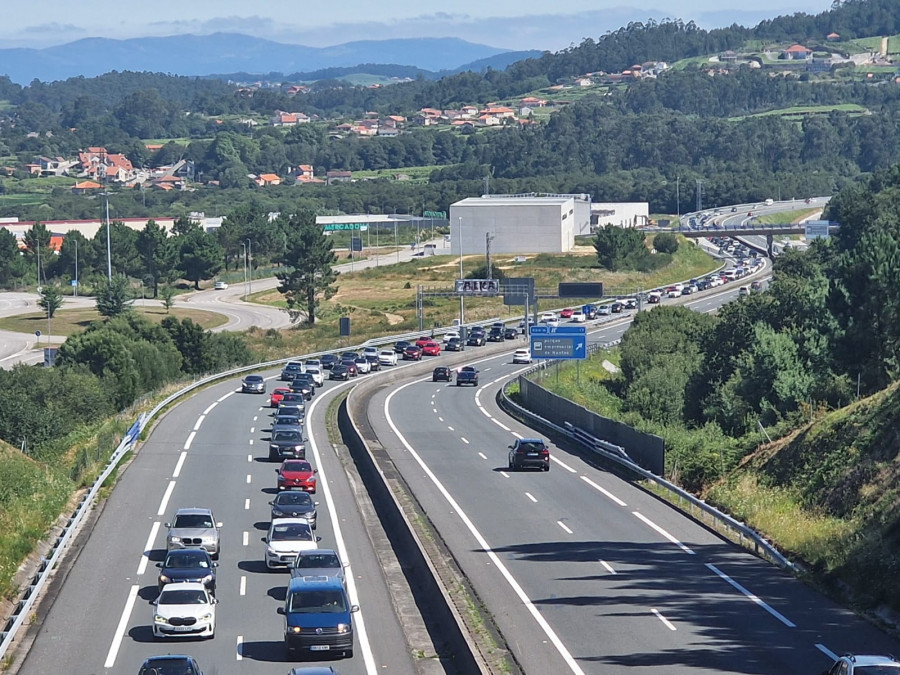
{"x":268,"y":179}
{"x":85,"y":187}
{"x":796,"y":53}
{"x":833,"y":37}
{"x":499,"y":111}
{"x":533,"y":102}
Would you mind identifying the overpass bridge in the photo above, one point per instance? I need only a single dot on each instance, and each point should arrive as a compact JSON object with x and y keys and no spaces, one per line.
{"x":811,"y":229}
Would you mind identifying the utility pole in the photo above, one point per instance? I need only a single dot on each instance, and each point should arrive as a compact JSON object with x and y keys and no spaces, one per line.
{"x":678,"y":197}
{"x":488,"y":238}
{"x":462,"y":299}
{"x":487,"y":184}
{"x":76,"y":269}
{"x":699,"y":195}
{"x":250,"y":267}
{"x":244,"y":260}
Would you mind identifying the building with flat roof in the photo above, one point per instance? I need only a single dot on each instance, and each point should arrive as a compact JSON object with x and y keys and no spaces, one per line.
{"x":528,"y":223}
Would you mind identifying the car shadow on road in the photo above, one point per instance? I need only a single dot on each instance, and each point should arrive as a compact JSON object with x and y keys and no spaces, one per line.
{"x":253,"y":566}
{"x":498,"y":469}
{"x":156,"y":554}
{"x":262,"y":525}
{"x":148,"y":593}
{"x":141,"y":634}
{"x":269,"y":491}
{"x":279,"y":593}
{"x":271,"y":651}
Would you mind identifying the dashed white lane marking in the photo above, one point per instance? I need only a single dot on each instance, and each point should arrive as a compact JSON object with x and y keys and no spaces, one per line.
{"x":247,"y":504}
{"x":145,"y":558}
{"x":827,"y":652}
{"x":251,"y":441}
{"x":564,"y":465}
{"x":563,"y":526}
{"x":531,"y":497}
{"x":668,"y":624}
{"x":240,"y":648}
{"x":440,"y":419}
{"x":504,"y":474}
{"x":246,"y":539}
{"x":190,"y":439}
{"x":243,"y":589}
{"x":179,"y":464}
{"x":252,"y":429}
{"x":608,"y":567}
{"x":249,"y":478}
{"x":464,"y":440}
{"x":451,"y":428}
{"x":165,"y":499}
{"x":656,"y":527}
{"x":120,"y":629}
{"x":255,"y":417}
{"x":518,"y":435}
{"x":500,"y":424}
{"x":199,"y":422}
{"x":482,"y":455}
{"x":603,"y":491}
{"x":771,"y":610}
{"x":210,"y":407}
{"x":249,"y":458}
{"x":222,"y":398}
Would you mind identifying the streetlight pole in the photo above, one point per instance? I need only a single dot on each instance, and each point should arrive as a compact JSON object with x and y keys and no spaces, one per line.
{"x":678,"y":197}
{"x":462,"y":298}
{"x":250,"y":267}
{"x":76,"y":269}
{"x":244,"y":261}
{"x":108,"y":245}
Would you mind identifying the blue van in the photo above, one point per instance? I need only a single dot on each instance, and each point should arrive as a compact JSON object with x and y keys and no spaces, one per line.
{"x":318,"y":617}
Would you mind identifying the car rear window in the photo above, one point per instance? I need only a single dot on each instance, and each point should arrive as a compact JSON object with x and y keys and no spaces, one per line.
{"x":530,"y":446}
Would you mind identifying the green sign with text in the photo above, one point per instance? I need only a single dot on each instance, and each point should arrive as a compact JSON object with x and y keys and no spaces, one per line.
{"x":336,"y":227}
{"x":435,"y":214}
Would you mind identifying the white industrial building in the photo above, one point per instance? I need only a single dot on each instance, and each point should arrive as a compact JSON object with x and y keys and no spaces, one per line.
{"x":519,"y":223}
{"x":620,"y":214}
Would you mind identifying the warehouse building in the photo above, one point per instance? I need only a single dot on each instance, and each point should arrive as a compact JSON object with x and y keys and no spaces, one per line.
{"x":620,"y":214}
{"x":519,"y":223}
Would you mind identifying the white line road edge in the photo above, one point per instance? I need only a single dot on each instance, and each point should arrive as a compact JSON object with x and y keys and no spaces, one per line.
{"x":145,"y":557}
{"x":771,"y":610}
{"x":120,"y":629}
{"x":482,"y":542}
{"x":661,"y":531}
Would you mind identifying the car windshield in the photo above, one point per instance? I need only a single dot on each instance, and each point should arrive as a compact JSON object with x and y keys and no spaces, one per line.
{"x":253,"y":378}
{"x":286,"y":436}
{"x":289,"y":411}
{"x":194,"y":520}
{"x":293,"y":498}
{"x":291,"y":532}
{"x":317,"y":602}
{"x":169,"y":666}
{"x":296,"y":466}
{"x":183,"y":596}
{"x":288,"y":420}
{"x":186,"y":560}
{"x":318,"y":560}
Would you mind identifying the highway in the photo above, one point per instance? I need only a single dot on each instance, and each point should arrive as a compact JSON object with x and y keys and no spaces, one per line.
{"x":585,"y":572}
{"x":210,"y":451}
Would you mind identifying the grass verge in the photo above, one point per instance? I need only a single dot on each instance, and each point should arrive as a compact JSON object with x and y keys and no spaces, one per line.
{"x":70,"y":321}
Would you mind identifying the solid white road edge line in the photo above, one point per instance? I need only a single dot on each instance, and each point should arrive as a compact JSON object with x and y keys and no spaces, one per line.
{"x":120,"y":629}
{"x":656,"y":527}
{"x":500,"y":424}
{"x":145,"y":557}
{"x":165,"y":499}
{"x":482,"y":542}
{"x":827,"y":652}
{"x":222,"y":398}
{"x":564,"y":465}
{"x":179,"y":464}
{"x":771,"y":610}
{"x":603,"y":491}
{"x":368,"y":656}
{"x":668,"y":624}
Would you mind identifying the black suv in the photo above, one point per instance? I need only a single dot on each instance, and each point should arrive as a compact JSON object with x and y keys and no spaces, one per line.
{"x":442,"y":373}
{"x":529,"y":452}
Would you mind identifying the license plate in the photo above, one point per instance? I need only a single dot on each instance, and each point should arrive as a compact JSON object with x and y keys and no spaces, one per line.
{"x":319,"y":648}
{"x":533,"y":454}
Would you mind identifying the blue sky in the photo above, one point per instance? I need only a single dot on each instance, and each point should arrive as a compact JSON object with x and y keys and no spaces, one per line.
{"x":509,"y":24}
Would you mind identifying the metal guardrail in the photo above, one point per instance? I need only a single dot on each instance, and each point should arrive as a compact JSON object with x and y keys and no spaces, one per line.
{"x":745,"y":534}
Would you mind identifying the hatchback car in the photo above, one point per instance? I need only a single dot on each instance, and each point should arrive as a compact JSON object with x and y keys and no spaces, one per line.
{"x":253,"y":384}
{"x":295,"y":504}
{"x":864,"y":664}
{"x":286,"y":538}
{"x":296,"y":474}
{"x":184,"y":609}
{"x":401,"y":345}
{"x":566,"y":313}
{"x":286,"y":444}
{"x":412,"y":353}
{"x":442,"y":374}
{"x":290,"y":371}
{"x":220,"y":286}
{"x":510,"y":333}
{"x":431,"y":349}
{"x":522,"y":356}
{"x":287,"y":423}
{"x":453,"y":345}
{"x":529,"y":452}
{"x":328,"y":361}
{"x":374,"y":363}
{"x":362,"y":365}
{"x":194,"y":528}
{"x":170,"y":664}
{"x":277,"y":395}
{"x":339,"y":372}
{"x":476,"y":339}
{"x":387,"y":357}
{"x":188,"y":564}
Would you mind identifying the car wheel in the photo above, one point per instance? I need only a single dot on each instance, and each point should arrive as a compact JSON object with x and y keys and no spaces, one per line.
{"x":511,"y":465}
{"x":272,"y":457}
{"x":546,"y":467}
{"x":215,"y":556}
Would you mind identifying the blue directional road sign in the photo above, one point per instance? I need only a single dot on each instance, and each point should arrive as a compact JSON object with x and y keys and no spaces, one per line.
{"x":561,"y":342}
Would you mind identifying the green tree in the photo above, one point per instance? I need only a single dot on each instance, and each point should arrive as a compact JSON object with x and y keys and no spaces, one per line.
{"x":12,"y":264}
{"x":40,"y":255}
{"x":619,"y":248}
{"x":167,"y":294}
{"x":157,"y":253}
{"x":114,"y":296}
{"x":665,"y":242}
{"x":200,"y":256}
{"x":310,"y":260}
{"x":51,"y":299}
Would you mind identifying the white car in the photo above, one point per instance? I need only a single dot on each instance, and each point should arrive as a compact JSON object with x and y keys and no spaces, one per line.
{"x":387,"y":357}
{"x":604,"y":310}
{"x":449,"y":336}
{"x":220,"y":286}
{"x":184,"y":609}
{"x":370,"y":351}
{"x":578,"y":316}
{"x":548,"y":316}
{"x":522,"y":356}
{"x":286,"y":537}
{"x":363,"y":365}
{"x":316,"y":371}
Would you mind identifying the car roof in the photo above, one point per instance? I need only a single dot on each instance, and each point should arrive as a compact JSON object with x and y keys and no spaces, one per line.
{"x":302,"y":583}
{"x":531,"y":440}
{"x":871,"y":660}
{"x":163,"y":657}
{"x":185,"y":586}
{"x":193,"y":510}
{"x":313,"y":670}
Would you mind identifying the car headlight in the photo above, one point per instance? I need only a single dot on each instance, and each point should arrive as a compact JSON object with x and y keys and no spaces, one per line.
{"x":343,"y":627}
{"x":163,"y":578}
{"x":206,"y":617}
{"x":271,"y":553}
{"x":159,"y":619}
{"x":175,"y":540}
{"x":295,"y":629}
{"x":299,"y":447}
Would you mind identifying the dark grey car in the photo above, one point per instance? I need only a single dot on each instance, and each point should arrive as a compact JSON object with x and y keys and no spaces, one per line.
{"x":287,"y":423}
{"x":285,"y":444}
{"x":253,"y":384}
{"x":295,"y":504}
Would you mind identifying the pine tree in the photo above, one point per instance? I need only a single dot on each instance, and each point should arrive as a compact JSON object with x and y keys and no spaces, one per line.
{"x":310,"y":259}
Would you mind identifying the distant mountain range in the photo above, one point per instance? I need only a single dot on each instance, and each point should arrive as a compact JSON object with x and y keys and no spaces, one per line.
{"x":204,"y":55}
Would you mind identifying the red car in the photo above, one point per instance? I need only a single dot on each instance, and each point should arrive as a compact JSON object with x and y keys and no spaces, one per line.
{"x":297,"y":474}
{"x":422,"y":341}
{"x":431,"y":349}
{"x":277,"y":395}
{"x":412,"y":353}
{"x":566,"y":313}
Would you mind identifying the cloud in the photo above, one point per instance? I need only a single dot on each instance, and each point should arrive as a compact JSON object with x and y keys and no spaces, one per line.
{"x":53,"y":28}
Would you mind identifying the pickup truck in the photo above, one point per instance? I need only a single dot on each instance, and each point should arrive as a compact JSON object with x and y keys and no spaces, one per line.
{"x":467,"y":375}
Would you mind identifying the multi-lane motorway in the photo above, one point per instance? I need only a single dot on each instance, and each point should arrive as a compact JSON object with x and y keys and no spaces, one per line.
{"x":582,"y":572}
